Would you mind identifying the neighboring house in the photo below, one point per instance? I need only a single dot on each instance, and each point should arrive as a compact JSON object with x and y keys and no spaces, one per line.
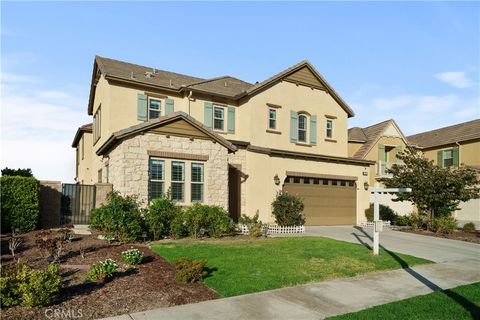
{"x":380,"y":143}
{"x":223,"y":141}
{"x":453,"y":146}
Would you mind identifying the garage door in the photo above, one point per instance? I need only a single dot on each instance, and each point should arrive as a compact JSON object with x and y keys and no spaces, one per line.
{"x":327,"y":201}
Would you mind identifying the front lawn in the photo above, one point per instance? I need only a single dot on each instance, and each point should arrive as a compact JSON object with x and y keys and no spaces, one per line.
{"x":240,"y":267}
{"x":459,"y":303}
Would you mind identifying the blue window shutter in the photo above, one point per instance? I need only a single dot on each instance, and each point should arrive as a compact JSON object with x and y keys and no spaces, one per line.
{"x":208,"y":115}
{"x":455,"y":154}
{"x":381,"y":153}
{"x":169,"y":106}
{"x":293,"y":126}
{"x":142,"y":107}
{"x":231,"y":120}
{"x":313,"y":130}
{"x":440,"y":158}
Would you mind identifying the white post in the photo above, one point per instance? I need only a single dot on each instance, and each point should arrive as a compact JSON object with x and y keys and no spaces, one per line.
{"x":376,"y":218}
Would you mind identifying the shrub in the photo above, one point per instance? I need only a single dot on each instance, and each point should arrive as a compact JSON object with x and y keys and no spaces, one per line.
{"x":188,"y":270}
{"x":178,"y":227}
{"x":386,"y":213}
{"x":29,"y":287}
{"x":444,"y":225}
{"x":254,"y":225}
{"x":102,"y":270}
{"x":20,"y":203}
{"x":132,"y":257}
{"x":469,"y":227}
{"x":159,"y":217}
{"x":17,"y":172}
{"x":120,"y":217}
{"x":213,"y":219}
{"x":288,"y":210}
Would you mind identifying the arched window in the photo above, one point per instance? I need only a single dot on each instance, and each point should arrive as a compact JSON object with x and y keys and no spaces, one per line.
{"x":302,"y":128}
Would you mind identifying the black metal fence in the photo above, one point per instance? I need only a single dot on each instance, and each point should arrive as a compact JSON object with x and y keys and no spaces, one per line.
{"x":77,"y":202}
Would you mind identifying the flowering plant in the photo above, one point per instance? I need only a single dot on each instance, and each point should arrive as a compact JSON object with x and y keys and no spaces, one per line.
{"x":102,"y":270}
{"x":132,"y":256}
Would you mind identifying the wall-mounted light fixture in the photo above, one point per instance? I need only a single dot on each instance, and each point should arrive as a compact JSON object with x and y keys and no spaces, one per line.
{"x":366,"y":185}
{"x":276,"y":179}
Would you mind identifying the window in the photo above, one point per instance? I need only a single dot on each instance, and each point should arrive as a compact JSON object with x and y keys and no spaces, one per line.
{"x":197,"y":182}
{"x":329,"y":128}
{"x":316,"y":181}
{"x":107,"y":173}
{"x":447,"y":158}
{"x":178,"y":181}
{"x":156,"y":178}
{"x":296,"y":180}
{"x":306,"y":180}
{"x":154,"y":108}
{"x":97,"y":128}
{"x":218,"y":118}
{"x":302,"y":128}
{"x":99,"y":176}
{"x":334,"y":182}
{"x":272,"y":118}
{"x":325,"y":182}
{"x":343,"y":183}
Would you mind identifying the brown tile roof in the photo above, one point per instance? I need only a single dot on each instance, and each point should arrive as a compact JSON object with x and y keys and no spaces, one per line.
{"x":85,"y":128}
{"x":124,"y":133}
{"x":457,"y":133}
{"x":372,"y":134}
{"x":356,"y":134}
{"x":226,"y":86}
{"x":125,"y":70}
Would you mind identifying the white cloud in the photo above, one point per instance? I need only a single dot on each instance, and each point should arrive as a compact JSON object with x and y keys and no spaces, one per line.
{"x":37,"y":128}
{"x":457,"y":79}
{"x":416,"y":113}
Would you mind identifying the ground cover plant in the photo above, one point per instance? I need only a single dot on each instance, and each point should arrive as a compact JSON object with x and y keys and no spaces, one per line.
{"x":459,"y":303}
{"x":246,"y":266}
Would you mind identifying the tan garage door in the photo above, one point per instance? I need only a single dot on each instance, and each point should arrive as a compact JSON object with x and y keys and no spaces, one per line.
{"x":327,"y":201}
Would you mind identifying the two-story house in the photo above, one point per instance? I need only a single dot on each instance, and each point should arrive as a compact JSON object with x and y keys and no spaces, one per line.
{"x":223,"y":141}
{"x":381,"y":143}
{"x":453,"y":146}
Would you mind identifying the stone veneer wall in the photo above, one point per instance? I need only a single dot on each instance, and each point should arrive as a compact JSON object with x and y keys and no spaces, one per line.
{"x":128,"y":164}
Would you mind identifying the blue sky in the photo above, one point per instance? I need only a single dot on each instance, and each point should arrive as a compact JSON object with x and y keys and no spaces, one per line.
{"x":415,"y":62}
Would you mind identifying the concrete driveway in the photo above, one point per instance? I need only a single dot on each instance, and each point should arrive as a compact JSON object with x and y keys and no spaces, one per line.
{"x":431,"y":248}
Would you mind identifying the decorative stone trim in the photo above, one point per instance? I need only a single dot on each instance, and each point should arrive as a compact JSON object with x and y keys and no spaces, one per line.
{"x":177,"y":155}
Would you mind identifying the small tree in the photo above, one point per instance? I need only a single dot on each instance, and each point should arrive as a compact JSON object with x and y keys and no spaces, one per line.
{"x":435,"y":191}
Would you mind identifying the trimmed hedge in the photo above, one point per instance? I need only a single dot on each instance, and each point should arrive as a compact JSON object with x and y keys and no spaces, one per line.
{"x":20,"y":203}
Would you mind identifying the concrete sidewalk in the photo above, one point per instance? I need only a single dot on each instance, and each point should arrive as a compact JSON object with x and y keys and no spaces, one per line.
{"x":328,"y":298}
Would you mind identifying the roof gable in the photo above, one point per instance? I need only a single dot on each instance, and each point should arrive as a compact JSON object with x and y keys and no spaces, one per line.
{"x":86,"y":128}
{"x":177,"y":123}
{"x":374,"y":132}
{"x":305,"y":77}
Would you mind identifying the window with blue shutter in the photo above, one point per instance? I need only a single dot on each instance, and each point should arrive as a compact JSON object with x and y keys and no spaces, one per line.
{"x":142,"y":107}
{"x":208,"y":115}
{"x":293,"y":126}
{"x":313,"y":130}
{"x":169,"y":108}
{"x":231,"y":120}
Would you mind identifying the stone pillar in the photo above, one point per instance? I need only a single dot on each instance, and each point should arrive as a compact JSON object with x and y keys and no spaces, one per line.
{"x":50,"y":202}
{"x":101,"y":193}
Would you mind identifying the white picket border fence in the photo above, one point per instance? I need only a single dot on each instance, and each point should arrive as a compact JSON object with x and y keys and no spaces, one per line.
{"x":369,"y":224}
{"x":274,"y":228}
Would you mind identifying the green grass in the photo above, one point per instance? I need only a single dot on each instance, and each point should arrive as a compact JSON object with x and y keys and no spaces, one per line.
{"x":246,"y":266}
{"x":459,"y":303}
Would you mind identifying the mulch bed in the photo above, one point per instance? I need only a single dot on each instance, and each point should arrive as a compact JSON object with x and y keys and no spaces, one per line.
{"x":456,"y":235}
{"x":150,"y":285}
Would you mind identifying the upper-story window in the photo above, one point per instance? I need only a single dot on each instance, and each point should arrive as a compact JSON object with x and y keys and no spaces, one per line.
{"x":447,"y":158}
{"x":329,"y":128}
{"x":218,"y":118}
{"x":97,"y":121}
{"x":302,"y":128}
{"x":154,"y":108}
{"x":272,"y":118}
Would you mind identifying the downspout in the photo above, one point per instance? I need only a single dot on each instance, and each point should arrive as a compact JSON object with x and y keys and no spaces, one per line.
{"x":458,"y":144}
{"x":188,"y":97}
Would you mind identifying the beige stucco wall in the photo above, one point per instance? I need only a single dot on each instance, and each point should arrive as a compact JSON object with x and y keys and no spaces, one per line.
{"x":469,"y":152}
{"x":84,"y":172}
{"x":128,"y":166}
{"x":261,"y":189}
